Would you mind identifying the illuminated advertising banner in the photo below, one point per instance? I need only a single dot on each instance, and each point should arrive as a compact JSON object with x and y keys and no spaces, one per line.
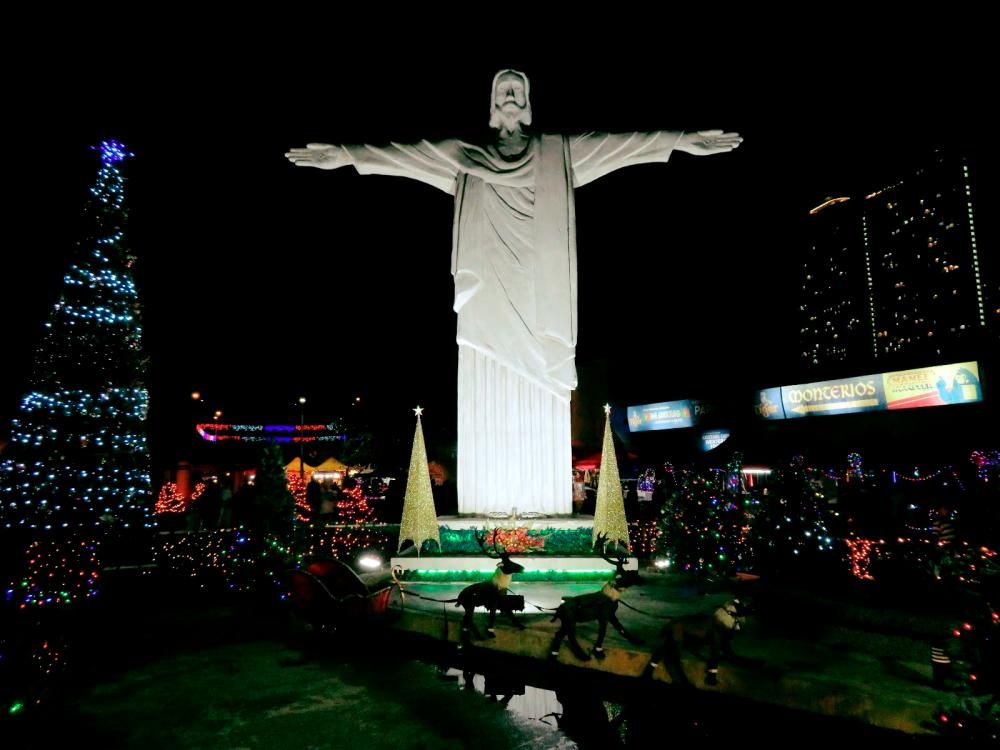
{"x":769,"y":404}
{"x":845,"y":396}
{"x":907,"y":389}
{"x":669,"y":415}
{"x":933,"y":386}
{"x":712,"y":439}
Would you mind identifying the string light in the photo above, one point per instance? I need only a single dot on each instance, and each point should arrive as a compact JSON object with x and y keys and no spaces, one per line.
{"x":860,"y":552}
{"x":78,"y":455}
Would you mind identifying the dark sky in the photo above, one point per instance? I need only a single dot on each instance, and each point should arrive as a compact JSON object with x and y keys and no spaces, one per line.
{"x":261,"y":282}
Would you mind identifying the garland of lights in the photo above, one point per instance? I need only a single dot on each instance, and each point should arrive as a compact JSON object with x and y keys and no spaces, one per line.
{"x":297,"y":485}
{"x":261,"y":433}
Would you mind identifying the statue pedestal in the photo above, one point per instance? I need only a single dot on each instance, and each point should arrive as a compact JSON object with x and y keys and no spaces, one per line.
{"x":550,"y":548}
{"x":456,"y":566}
{"x":507,"y":522}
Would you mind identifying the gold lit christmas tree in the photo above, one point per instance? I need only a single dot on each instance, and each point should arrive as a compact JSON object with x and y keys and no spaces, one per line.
{"x":609,"y":514}
{"x":419,"y":522}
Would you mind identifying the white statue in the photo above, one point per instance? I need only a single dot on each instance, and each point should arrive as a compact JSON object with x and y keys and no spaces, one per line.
{"x":514,"y":263}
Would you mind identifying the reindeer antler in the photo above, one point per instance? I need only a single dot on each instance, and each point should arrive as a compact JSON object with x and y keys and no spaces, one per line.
{"x":620,"y":559}
{"x":484,"y":548}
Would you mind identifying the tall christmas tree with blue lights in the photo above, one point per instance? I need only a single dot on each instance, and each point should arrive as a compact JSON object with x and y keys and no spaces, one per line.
{"x":78,"y":455}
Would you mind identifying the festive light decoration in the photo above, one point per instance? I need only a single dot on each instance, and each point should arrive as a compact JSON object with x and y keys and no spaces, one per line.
{"x":353,"y":507}
{"x":343,"y":542}
{"x":58,"y":573}
{"x":419,"y":521}
{"x":645,"y":535}
{"x":609,"y":512}
{"x":527,"y":576}
{"x":297,"y":485}
{"x":78,"y":452}
{"x":707,"y":528}
{"x":860,"y":552}
{"x":170,"y":499}
{"x":972,"y":713}
{"x":854,"y":470}
{"x":515,"y":540}
{"x":228,"y":557}
{"x":550,"y":541}
{"x":985,"y":463}
{"x":262,"y":433}
{"x":274,"y":505}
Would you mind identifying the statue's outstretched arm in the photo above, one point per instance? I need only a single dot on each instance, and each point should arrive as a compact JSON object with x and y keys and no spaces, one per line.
{"x":708,"y":142}
{"x":319,"y":155}
{"x":435,"y":163}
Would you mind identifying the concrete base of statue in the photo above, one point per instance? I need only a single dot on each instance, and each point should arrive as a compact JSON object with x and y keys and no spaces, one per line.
{"x":533,"y":562}
{"x":507,"y":521}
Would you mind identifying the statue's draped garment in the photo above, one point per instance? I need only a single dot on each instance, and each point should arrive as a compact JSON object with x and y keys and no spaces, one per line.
{"x":514,"y":263}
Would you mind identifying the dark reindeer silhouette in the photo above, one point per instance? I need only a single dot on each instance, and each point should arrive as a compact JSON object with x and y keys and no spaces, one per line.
{"x":716,"y":629}
{"x":600,"y":605}
{"x":491,"y":594}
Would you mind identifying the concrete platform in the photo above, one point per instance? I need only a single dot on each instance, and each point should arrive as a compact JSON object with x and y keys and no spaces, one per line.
{"x":830,"y":670}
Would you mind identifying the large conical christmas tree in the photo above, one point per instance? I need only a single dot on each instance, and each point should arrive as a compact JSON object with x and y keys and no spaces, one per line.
{"x":419,"y":522}
{"x":78,"y":446}
{"x":609,"y":512}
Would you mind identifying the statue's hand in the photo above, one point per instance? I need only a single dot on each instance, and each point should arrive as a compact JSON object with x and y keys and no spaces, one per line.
{"x":708,"y":142}
{"x":319,"y":155}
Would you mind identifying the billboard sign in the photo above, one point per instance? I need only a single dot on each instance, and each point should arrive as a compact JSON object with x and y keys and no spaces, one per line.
{"x":668,"y":415}
{"x":939,"y":385}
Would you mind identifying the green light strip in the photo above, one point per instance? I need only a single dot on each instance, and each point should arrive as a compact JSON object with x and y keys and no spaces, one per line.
{"x":526,"y":576}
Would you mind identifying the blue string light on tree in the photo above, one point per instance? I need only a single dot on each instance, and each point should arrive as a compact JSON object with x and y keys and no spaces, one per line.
{"x":78,"y":457}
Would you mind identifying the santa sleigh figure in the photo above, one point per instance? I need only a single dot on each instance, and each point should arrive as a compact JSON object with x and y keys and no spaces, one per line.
{"x":326,"y":595}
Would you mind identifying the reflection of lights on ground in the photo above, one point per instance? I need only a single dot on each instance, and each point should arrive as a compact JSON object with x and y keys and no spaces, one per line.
{"x":370,"y":562}
{"x":526,"y":701}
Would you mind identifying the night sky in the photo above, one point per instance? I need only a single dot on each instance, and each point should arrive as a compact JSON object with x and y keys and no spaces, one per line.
{"x":261,"y":282}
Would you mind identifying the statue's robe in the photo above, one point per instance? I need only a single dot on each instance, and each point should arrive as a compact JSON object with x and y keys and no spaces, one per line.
{"x":514,"y":263}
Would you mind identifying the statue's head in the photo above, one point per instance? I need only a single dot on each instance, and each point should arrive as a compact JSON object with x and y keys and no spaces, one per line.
{"x":509,"y":102}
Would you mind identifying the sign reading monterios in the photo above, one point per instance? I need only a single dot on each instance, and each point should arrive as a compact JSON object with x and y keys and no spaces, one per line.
{"x":939,"y":385}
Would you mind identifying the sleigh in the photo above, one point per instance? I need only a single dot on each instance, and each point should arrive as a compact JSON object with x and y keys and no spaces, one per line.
{"x":329,"y":595}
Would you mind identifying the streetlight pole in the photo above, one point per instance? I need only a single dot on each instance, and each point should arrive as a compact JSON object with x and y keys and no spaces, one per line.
{"x":302,"y":423}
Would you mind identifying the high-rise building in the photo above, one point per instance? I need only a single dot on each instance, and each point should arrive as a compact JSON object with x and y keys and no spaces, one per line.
{"x":895,"y":275}
{"x":835,"y":310}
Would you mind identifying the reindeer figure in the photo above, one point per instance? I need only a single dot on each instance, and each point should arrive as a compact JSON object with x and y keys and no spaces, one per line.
{"x":491,"y":594}
{"x":600,"y":605}
{"x":717,"y":630}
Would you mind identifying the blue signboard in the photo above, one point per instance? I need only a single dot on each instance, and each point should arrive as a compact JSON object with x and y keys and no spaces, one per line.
{"x":668,"y":415}
{"x":938,"y":385}
{"x":846,"y":396}
{"x":768,"y":404}
{"x":712,"y":439}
